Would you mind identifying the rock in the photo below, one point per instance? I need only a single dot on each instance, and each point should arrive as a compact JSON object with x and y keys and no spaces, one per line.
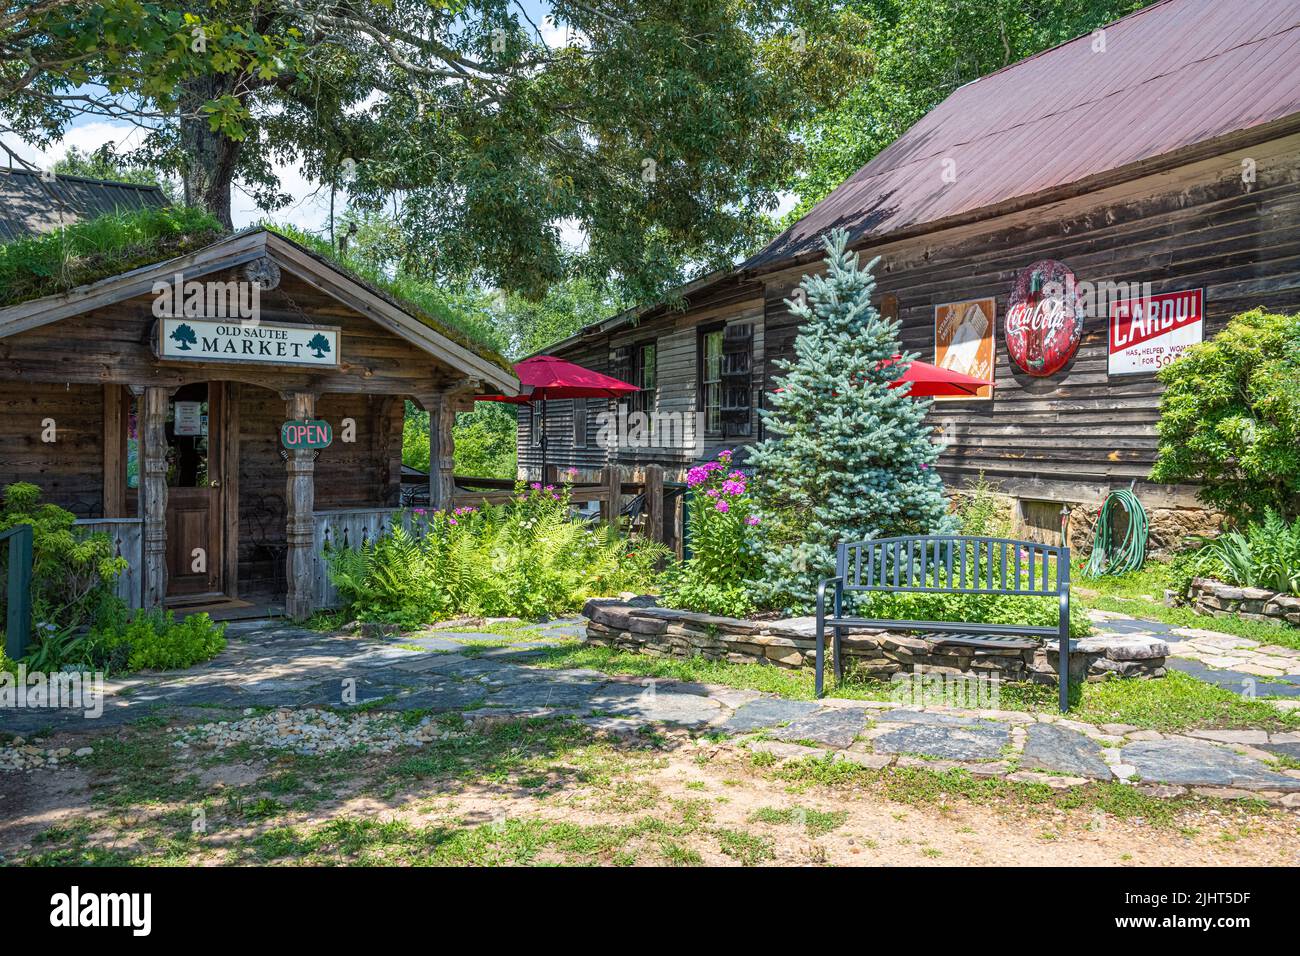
{"x":1059,"y":749}
{"x":1124,"y":647}
{"x":1202,"y":764}
{"x":927,"y":717}
{"x":767,"y":712}
{"x":1249,"y":737}
{"x":835,"y":728}
{"x":1145,"y":735}
{"x":1055,"y":782}
{"x":871,"y":761}
{"x":1161,"y":790}
{"x":977,"y":741}
{"x":85,"y":751}
{"x":785,"y":751}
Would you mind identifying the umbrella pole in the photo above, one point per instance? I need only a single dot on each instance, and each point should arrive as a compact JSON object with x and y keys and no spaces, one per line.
{"x":543,"y":427}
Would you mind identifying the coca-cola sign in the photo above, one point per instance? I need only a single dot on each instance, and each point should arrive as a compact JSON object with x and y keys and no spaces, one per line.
{"x":1044,"y":318}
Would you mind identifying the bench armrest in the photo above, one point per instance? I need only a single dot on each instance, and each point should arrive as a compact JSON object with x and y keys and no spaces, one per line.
{"x":821,"y":594}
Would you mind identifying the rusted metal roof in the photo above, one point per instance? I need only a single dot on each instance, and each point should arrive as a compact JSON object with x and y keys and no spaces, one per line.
{"x":1172,"y":75}
{"x":29,"y":205}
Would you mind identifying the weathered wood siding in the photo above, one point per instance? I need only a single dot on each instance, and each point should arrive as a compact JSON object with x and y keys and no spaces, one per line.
{"x":1076,"y":434}
{"x":347,"y":528}
{"x":69,"y":469}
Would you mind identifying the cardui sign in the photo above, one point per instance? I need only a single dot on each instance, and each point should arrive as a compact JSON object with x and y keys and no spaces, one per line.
{"x":1147,"y":334}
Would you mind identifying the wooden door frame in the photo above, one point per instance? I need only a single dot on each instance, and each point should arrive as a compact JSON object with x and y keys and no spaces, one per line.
{"x":229,"y":497}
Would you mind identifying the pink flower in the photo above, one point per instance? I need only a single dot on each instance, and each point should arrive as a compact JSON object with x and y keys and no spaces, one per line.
{"x":733,"y":487}
{"x":725,"y":455}
{"x":696,"y":476}
{"x":722,"y":505}
{"x":419,"y":511}
{"x":452,"y":521}
{"x":924,"y":466}
{"x":712,"y":492}
{"x":536,"y":486}
{"x":752,"y":520}
{"x":549,"y":488}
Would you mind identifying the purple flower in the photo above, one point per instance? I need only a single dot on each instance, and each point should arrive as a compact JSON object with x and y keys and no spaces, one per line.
{"x":712,"y":492}
{"x":752,"y":520}
{"x":452,"y":521}
{"x":733,"y":487}
{"x":924,"y":466}
{"x":536,"y":486}
{"x":722,"y":505}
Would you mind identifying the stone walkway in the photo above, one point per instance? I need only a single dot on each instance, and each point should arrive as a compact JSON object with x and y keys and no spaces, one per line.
{"x":280,"y":666}
{"x":1234,"y":663}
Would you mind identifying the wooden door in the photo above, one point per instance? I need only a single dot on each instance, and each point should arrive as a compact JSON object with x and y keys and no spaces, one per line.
{"x":195,"y":519}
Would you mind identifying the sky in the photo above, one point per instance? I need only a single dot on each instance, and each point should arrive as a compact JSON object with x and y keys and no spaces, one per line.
{"x":309,"y":209}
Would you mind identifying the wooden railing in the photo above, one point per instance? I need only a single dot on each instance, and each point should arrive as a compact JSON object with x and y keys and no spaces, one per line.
{"x":127,"y":535}
{"x":347,"y":528}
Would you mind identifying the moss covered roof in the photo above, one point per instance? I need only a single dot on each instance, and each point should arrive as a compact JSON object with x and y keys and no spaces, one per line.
{"x":110,"y":245}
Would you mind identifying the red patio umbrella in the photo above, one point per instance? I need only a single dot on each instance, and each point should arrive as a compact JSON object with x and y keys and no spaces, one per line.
{"x":929,"y":380}
{"x":544,"y":376}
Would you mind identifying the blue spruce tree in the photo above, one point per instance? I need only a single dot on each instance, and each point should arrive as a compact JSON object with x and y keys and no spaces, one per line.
{"x":845,"y":456}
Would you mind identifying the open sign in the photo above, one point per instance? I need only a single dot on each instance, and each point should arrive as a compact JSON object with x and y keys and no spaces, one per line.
{"x":311,"y":433}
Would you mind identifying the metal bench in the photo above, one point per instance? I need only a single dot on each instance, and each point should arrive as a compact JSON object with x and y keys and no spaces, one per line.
{"x":948,"y":564}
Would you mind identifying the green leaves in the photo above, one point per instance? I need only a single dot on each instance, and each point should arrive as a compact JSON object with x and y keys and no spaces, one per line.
{"x":1230,"y":418}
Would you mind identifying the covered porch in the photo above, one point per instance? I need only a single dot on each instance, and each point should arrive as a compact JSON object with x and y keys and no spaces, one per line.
{"x":173,"y":446}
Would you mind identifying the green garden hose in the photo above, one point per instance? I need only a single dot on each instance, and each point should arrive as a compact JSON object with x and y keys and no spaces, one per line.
{"x":1107,"y":556}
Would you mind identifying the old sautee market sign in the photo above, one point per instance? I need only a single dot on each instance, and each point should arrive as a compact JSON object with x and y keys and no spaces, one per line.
{"x":182,"y":338}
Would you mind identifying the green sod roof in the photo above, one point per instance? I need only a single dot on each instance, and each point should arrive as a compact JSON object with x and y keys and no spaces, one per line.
{"x":109,"y":245}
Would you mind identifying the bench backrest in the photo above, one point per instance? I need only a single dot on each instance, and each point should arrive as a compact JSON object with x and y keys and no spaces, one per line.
{"x":959,"y":564}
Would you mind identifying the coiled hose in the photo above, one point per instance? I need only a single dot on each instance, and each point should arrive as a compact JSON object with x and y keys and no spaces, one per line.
{"x":1108,"y":557}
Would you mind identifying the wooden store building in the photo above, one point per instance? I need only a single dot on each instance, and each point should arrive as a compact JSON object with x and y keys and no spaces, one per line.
{"x":178,"y":404}
{"x":1062,"y":228}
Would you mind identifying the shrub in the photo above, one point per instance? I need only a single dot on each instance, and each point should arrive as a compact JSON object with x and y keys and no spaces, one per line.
{"x":975,"y":608}
{"x":981,"y":510}
{"x":530,"y":558}
{"x":1230,"y":418}
{"x":1266,"y":555}
{"x":72,"y":573}
{"x":153,"y":640}
{"x":724,"y":560}
{"x":846,"y":455}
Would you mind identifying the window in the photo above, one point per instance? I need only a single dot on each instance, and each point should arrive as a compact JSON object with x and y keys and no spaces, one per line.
{"x":534,"y":426}
{"x":579,"y":423}
{"x":639,"y":365}
{"x":726,"y":388}
{"x":711,"y":380}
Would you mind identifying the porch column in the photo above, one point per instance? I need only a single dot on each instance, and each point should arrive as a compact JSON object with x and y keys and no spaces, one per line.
{"x":442,"y":451}
{"x":300,"y":499}
{"x":153,"y":493}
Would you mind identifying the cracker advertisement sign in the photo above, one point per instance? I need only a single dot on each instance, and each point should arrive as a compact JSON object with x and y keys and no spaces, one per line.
{"x":963,"y":338}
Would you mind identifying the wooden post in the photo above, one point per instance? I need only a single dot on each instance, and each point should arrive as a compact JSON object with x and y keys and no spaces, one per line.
{"x":300,"y":494}
{"x":442,"y":451}
{"x":229,"y":498}
{"x":611,"y":493}
{"x":114,"y":466}
{"x":654,"y":502}
{"x":153,"y":493}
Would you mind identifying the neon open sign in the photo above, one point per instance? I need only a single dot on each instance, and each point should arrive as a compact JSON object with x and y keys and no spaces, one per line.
{"x":309,"y":433}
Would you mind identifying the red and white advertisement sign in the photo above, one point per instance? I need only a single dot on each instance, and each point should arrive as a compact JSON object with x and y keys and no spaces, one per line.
{"x":1147,"y":334}
{"x":1044,"y":320}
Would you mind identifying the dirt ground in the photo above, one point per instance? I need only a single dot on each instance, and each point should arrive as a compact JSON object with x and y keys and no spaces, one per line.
{"x":546,"y":792}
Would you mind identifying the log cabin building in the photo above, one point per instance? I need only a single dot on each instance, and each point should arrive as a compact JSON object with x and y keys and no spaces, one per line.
{"x":157,"y":416}
{"x":1155,"y":162}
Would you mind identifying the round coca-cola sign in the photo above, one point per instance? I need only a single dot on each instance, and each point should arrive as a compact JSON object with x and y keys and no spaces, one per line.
{"x":1044,"y":318}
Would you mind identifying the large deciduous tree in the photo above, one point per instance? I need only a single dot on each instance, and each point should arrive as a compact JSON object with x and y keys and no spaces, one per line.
{"x":660,"y":128}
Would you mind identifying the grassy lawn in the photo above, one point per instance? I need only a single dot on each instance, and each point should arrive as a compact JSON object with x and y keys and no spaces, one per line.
{"x":1141,"y":594}
{"x":552,"y":792}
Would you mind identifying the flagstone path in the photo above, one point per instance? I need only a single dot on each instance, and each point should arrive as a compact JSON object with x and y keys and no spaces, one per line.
{"x":273,"y":665}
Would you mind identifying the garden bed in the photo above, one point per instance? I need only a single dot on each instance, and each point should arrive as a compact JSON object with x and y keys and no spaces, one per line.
{"x":1217,"y":599}
{"x":640,"y":627}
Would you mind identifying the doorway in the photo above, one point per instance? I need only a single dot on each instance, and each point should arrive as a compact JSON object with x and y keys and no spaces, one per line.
{"x":195,"y":498}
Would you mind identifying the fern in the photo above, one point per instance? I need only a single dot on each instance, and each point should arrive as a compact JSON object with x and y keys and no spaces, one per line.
{"x":530,"y":558}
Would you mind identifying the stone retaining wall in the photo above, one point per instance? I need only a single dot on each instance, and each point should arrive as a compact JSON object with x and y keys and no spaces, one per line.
{"x":1255,"y":604}
{"x":642,"y":628}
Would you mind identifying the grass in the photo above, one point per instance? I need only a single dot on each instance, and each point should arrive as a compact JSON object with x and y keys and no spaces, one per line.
{"x":108,"y":245}
{"x":815,"y":822}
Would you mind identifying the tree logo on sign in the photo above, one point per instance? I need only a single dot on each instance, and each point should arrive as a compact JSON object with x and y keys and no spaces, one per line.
{"x":185,"y":336}
{"x":319,"y":344}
